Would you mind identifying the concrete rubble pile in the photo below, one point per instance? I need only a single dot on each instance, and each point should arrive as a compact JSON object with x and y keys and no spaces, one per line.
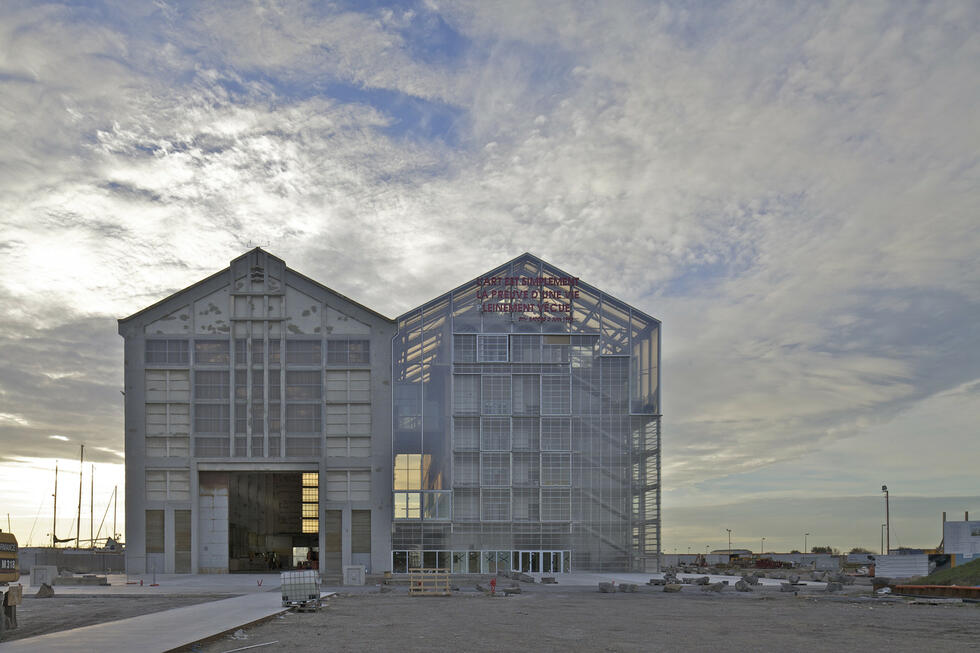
{"x":45,"y":592}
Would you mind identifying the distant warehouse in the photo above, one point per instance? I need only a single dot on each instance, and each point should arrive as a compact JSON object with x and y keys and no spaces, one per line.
{"x":272,"y":423}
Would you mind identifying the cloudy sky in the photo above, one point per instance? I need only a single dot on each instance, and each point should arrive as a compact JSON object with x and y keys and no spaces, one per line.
{"x":791,"y":188}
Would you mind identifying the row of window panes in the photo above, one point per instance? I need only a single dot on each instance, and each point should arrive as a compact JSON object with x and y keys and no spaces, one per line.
{"x":217,"y":352}
{"x":427,"y":505}
{"x":483,"y":562}
{"x":517,"y":433}
{"x":164,"y":485}
{"x":479,"y":348}
{"x":341,"y":385}
{"x":310,"y":502}
{"x":342,"y":486}
{"x":342,"y":419}
{"x":495,"y":504}
{"x":216,"y":418}
{"x":504,"y":394}
{"x":505,"y":469}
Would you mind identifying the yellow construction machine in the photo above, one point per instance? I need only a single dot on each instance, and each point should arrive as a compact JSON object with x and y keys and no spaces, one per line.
{"x":11,"y":591}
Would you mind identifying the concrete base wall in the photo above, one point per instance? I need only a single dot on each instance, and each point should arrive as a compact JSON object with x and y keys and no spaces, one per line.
{"x":83,"y":562}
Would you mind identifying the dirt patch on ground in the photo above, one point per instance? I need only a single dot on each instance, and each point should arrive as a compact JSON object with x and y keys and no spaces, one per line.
{"x":67,"y":611}
{"x":562,"y":620}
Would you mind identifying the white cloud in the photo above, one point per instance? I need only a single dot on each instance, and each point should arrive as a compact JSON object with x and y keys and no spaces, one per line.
{"x":792,"y":191}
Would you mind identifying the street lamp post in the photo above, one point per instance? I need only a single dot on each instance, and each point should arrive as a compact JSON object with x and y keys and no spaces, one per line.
{"x":805,"y":535}
{"x":888,"y":527}
{"x":762,"y":546}
{"x":882,"y":539}
{"x":729,"y":543}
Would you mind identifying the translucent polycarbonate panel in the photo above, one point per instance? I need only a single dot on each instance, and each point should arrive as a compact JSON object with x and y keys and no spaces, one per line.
{"x":496,"y":397}
{"x":555,"y":504}
{"x":466,"y":394}
{"x":526,"y":468}
{"x":555,"y":348}
{"x":586,"y":312}
{"x":525,"y":434}
{"x":644,"y":339}
{"x":557,"y":305}
{"x":527,"y":505}
{"x":495,"y":504}
{"x":467,"y":317}
{"x":495,"y":469}
{"x":615,"y":385}
{"x":437,"y":341}
{"x":526,"y":389}
{"x":556,"y":434}
{"x":466,"y":433}
{"x":525,"y":349}
{"x":492,"y":348}
{"x":524,"y":314}
{"x":464,"y":348}
{"x":495,"y":434}
{"x":555,"y":394}
{"x":407,"y":349}
{"x":466,"y":469}
{"x":614,"y":338}
{"x":556,"y":469}
{"x":466,"y":504}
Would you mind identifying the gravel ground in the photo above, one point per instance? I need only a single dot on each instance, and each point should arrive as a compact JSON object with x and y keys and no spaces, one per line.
{"x":39,"y":616}
{"x":582,"y":619}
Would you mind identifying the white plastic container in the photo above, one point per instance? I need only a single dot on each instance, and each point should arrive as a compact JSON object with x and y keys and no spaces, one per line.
{"x":300,"y":588}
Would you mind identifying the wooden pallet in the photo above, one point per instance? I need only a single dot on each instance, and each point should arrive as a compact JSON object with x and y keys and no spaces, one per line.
{"x":428,"y":582}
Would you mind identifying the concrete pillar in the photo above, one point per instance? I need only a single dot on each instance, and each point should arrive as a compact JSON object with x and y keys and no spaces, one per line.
{"x":195,"y":515}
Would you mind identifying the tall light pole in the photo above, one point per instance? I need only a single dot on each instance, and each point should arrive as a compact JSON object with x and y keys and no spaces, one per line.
{"x":888,"y":527}
{"x":805,"y":535}
{"x":729,"y":544}
{"x":882,"y":539}
{"x":762,"y":547}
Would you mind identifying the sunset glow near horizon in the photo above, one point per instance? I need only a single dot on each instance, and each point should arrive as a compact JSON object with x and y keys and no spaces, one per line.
{"x":792,"y":190}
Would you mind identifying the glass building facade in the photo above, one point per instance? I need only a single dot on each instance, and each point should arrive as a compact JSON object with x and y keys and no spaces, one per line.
{"x":526,"y":428}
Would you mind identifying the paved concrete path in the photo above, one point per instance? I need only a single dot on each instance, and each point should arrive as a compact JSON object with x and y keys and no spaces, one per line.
{"x":158,"y":631}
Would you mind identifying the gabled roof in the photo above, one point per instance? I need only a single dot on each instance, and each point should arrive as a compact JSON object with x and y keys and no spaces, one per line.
{"x":527,"y":256}
{"x":217,"y":274}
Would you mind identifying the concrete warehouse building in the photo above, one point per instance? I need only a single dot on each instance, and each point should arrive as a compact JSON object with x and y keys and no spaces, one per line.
{"x":511,"y":423}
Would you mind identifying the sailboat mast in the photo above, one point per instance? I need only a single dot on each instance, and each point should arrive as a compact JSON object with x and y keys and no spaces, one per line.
{"x":78,"y":521}
{"x":54,"y":526}
{"x":91,"y":510}
{"x":115,"y":499}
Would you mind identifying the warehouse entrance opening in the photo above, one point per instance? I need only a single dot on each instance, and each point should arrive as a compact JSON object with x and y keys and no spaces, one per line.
{"x":272,"y":521}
